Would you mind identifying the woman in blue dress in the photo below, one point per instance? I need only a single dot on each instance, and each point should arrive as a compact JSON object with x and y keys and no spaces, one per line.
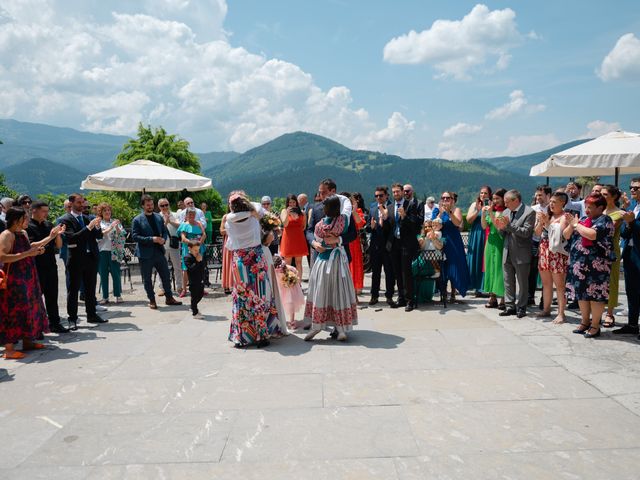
{"x":456,"y":268}
{"x":477,"y":239}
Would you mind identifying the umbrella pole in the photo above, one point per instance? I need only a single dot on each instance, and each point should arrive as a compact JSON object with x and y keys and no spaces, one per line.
{"x":617,"y":175}
{"x":547,"y":181}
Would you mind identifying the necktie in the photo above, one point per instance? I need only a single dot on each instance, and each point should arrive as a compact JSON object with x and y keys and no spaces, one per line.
{"x":397,"y":229}
{"x":80,"y":220}
{"x":513,"y":216}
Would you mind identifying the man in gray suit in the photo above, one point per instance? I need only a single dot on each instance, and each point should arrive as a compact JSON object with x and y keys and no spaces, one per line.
{"x":517,"y":229}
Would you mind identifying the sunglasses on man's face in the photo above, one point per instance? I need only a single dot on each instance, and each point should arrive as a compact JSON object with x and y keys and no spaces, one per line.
{"x":634,"y":188}
{"x":379,"y":195}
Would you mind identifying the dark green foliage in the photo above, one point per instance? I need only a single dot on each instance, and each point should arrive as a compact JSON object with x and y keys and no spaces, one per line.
{"x":5,"y":190}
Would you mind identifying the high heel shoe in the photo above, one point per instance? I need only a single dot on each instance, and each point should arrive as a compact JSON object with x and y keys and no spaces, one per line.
{"x":592,"y":335}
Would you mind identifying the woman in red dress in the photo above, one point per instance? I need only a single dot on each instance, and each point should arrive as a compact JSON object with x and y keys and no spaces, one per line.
{"x":22,"y":313}
{"x":293,"y":243}
{"x":355,"y":247}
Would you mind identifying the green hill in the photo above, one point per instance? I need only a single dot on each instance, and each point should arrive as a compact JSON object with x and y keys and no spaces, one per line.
{"x":296,"y":162}
{"x":39,"y":175}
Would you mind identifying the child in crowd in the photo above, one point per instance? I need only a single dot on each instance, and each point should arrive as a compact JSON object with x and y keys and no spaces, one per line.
{"x":290,"y":290}
{"x":195,"y":271}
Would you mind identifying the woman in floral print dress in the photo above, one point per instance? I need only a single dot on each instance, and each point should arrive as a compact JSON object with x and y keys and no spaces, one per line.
{"x":254,"y":315}
{"x":590,"y":261}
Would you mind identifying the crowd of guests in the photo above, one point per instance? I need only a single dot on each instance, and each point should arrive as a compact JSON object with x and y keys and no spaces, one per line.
{"x":574,"y":246}
{"x":91,"y":244}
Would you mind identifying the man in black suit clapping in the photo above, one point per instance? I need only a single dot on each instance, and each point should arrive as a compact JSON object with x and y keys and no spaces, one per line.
{"x":380,"y":228}
{"x":405,"y":220}
{"x":81,"y":235}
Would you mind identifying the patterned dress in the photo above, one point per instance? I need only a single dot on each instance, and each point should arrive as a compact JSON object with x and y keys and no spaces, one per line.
{"x":22,"y":312}
{"x":331,"y":300}
{"x":254,"y":313}
{"x":590,"y":263}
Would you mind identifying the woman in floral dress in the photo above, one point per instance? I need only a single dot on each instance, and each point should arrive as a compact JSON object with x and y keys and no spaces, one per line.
{"x":22,"y":313}
{"x":590,"y":261}
{"x":254,"y":314}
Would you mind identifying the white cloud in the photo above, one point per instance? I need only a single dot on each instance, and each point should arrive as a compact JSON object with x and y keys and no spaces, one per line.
{"x":599,"y":127}
{"x":104,"y":66}
{"x":623,"y":61}
{"x":461,"y":129}
{"x":517,"y":103}
{"x":524,"y":144}
{"x":459,"y":151}
{"x":456,"y":47}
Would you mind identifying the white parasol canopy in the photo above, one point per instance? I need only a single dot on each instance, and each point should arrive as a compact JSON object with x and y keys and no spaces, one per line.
{"x":145,"y":175}
{"x":614,"y":153}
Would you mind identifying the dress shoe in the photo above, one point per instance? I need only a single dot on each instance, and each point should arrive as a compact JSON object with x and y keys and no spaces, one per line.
{"x":373,"y":300}
{"x":152,"y":305}
{"x":508,"y":312}
{"x":172,"y":301}
{"x":626,"y":330}
{"x":401,"y":303}
{"x":73,"y":324}
{"x":58,"y":328}
{"x":97,"y":319}
{"x":409,"y":308}
{"x":522,"y":312}
{"x":502,"y":306}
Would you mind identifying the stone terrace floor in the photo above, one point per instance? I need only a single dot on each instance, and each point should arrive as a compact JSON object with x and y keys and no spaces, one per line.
{"x":439,"y":394}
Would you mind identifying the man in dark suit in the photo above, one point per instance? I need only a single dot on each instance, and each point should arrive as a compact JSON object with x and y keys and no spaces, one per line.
{"x":81,"y":235}
{"x":150,"y":233}
{"x":517,"y":228}
{"x":631,"y":258}
{"x":405,"y":221}
{"x":327,"y":188}
{"x":379,"y":228}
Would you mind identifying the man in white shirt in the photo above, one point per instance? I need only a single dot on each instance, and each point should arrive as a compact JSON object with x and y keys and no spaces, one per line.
{"x":172,"y":248}
{"x":200,"y":216}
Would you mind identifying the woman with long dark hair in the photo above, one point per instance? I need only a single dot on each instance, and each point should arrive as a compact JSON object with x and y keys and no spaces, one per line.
{"x":293,"y":244}
{"x":477,"y":238}
{"x":493,"y":275}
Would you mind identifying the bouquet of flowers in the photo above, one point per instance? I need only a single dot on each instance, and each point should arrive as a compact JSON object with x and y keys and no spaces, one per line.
{"x":289,"y":276}
{"x":270,"y":221}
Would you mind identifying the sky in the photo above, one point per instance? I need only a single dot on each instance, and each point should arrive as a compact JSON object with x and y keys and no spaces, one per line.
{"x":419,"y":78}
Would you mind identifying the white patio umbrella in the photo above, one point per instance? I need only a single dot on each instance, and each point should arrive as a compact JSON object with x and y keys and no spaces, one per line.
{"x":614,"y":153}
{"x":145,"y":175}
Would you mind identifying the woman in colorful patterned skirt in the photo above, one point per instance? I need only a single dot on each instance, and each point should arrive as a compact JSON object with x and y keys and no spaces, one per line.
{"x":254,"y":315}
{"x":22,"y":313}
{"x":331,"y":301}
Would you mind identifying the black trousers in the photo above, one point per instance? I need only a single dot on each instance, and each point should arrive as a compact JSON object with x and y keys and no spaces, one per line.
{"x":380,"y":259}
{"x":197,"y":292}
{"x":159,"y":262}
{"x":82,"y":269}
{"x":401,"y":259}
{"x":48,"y":277}
{"x":631,"y":286}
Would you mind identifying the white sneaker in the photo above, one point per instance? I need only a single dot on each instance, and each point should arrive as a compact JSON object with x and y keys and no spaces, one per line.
{"x":100,"y":308}
{"x":119,"y":300}
{"x":198,"y":316}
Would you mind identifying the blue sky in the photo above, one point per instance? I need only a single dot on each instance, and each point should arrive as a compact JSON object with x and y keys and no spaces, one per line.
{"x":472,"y":80}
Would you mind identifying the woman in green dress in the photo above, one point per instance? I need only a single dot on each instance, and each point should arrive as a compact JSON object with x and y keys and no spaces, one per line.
{"x":493,"y":276}
{"x":612,"y":194}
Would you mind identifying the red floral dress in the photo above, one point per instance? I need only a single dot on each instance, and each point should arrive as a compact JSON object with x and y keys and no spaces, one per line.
{"x":22,"y":312}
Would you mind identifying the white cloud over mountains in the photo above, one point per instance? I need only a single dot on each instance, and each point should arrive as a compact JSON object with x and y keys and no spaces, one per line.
{"x":623,"y":61}
{"x":517,"y":103}
{"x":461,"y":128}
{"x":105,"y":66}
{"x":458,"y":47}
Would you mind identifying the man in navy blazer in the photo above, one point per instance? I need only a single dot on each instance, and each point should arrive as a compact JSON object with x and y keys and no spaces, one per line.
{"x":81,"y":235}
{"x":380,"y":228}
{"x":150,"y":233}
{"x":631,"y":258}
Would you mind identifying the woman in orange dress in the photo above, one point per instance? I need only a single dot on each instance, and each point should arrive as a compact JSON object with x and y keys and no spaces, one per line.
{"x":293,"y":243}
{"x":355,"y":247}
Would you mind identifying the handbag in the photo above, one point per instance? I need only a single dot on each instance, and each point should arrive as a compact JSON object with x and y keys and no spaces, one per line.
{"x":174,"y":242}
{"x":4,"y":273}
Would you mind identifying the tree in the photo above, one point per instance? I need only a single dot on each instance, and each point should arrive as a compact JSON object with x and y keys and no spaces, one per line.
{"x":5,"y":190}
{"x":157,"y":145}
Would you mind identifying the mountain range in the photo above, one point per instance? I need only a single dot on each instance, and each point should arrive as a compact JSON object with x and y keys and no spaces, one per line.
{"x":38,"y":158}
